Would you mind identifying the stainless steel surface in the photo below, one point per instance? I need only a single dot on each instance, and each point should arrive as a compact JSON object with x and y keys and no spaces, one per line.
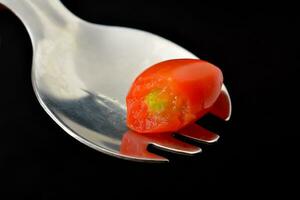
{"x":81,"y":71}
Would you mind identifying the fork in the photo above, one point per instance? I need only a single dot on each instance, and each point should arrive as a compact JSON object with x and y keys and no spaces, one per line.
{"x":81,"y":73}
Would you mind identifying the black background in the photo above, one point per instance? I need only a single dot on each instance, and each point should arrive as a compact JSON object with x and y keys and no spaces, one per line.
{"x":257,"y":49}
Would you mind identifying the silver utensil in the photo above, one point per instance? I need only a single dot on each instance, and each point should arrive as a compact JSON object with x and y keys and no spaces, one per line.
{"x":81,"y":73}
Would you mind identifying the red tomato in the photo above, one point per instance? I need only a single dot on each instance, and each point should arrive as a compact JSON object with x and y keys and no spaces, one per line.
{"x":169,"y":95}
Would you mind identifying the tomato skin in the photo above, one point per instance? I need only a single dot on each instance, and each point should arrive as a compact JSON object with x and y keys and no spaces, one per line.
{"x":169,"y":95}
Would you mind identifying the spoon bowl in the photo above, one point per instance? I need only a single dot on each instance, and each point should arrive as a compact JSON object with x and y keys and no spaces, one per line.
{"x":81,"y":72}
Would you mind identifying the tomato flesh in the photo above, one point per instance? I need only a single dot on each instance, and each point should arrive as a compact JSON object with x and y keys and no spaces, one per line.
{"x":169,"y":95}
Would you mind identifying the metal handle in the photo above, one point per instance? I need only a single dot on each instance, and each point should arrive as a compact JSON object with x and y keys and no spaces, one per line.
{"x":40,"y":17}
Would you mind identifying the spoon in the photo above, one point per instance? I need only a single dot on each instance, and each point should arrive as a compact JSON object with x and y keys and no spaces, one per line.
{"x":81,"y":72}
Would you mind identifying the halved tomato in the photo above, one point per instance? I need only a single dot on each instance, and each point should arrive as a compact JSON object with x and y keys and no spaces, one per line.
{"x":169,"y":95}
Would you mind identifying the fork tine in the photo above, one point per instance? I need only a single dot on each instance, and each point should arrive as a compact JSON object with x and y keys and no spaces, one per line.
{"x":199,"y":134}
{"x":167,"y":142}
{"x":222,"y":107}
{"x":134,"y":146}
